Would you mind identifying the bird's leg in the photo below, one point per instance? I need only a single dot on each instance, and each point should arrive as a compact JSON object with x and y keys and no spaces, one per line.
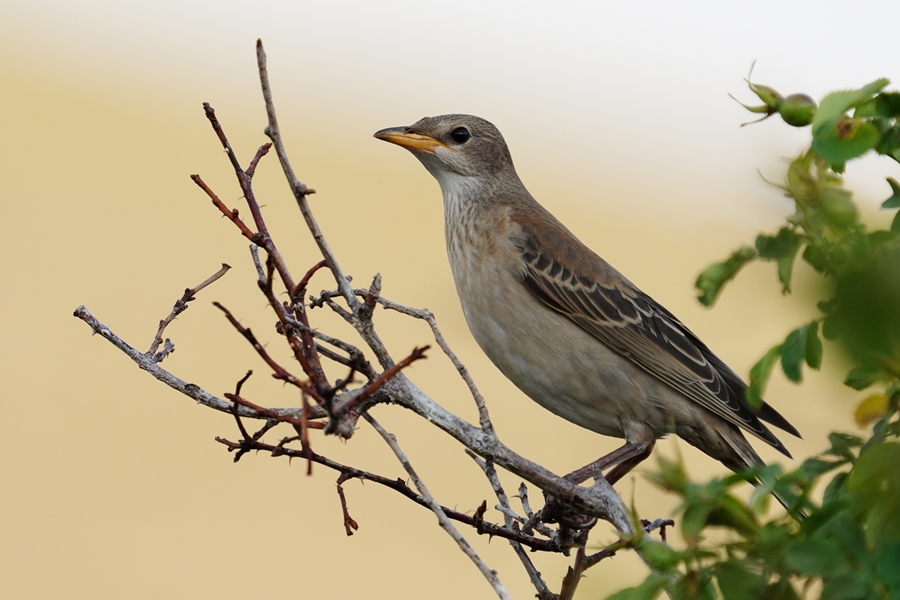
{"x":624,"y":459}
{"x":571,"y":521}
{"x":622,"y":469}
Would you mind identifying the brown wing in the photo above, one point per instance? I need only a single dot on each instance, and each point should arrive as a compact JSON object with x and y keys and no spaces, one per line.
{"x":608,"y":306}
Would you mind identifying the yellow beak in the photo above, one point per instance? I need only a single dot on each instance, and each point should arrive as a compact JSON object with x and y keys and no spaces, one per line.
{"x":414,"y":141}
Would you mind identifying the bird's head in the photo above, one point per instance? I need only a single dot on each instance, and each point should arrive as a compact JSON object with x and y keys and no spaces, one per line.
{"x":453,"y":146}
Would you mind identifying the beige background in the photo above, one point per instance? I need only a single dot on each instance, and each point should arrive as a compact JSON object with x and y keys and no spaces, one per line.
{"x":112,"y":485}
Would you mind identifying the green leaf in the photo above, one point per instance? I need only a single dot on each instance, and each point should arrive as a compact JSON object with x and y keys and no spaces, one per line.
{"x":894,"y":200}
{"x":834,"y":488}
{"x":694,"y":585}
{"x":895,"y":224}
{"x":875,"y":482}
{"x":735,"y":514}
{"x":814,"y":467}
{"x":816,"y":258}
{"x":889,"y":145}
{"x":844,"y":139}
{"x":782,"y":247}
{"x":842,"y":444}
{"x":671,"y":475}
{"x":785,"y":268}
{"x":863,"y":376}
{"x":759,"y":375}
{"x":889,"y":104}
{"x":886,"y":565}
{"x":813,"y":346}
{"x":815,"y":557}
{"x":831,"y":328}
{"x":793,"y":353}
{"x":658,"y":555}
{"x":835,"y":104}
{"x":694,"y":519}
{"x":855,"y":585}
{"x":784,"y":243}
{"x":648,"y":590}
{"x":780,"y":590}
{"x":710,"y":282}
{"x":735,"y":581}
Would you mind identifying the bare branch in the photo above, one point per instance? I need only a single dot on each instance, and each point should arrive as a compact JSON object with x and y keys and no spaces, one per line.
{"x":374,"y":386}
{"x":188,"y":389}
{"x":279,"y":371}
{"x":230,"y":213}
{"x":426,"y":315}
{"x":298,"y":188}
{"x":534,"y":575}
{"x":444,"y":521}
{"x":181,"y":305}
{"x":251,"y":168}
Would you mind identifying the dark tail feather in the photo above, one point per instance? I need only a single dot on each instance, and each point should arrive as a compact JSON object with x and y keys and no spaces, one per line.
{"x":751,"y":459}
{"x":770,"y":415}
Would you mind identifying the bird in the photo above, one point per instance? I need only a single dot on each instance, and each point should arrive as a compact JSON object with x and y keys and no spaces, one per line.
{"x":567,"y":328}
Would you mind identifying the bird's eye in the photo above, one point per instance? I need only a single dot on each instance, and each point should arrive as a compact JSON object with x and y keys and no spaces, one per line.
{"x":460,"y":135}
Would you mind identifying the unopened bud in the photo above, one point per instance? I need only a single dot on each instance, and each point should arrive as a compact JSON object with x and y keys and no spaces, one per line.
{"x":797,"y":110}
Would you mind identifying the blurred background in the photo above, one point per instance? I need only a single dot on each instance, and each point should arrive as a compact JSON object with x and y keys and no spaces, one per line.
{"x":618,"y":118}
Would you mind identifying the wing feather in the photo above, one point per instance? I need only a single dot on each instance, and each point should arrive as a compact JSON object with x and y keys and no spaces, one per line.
{"x":631,"y":323}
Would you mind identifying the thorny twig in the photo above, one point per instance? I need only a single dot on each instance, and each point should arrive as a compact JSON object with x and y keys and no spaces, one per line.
{"x":427,"y":316}
{"x":398,"y":485}
{"x":181,"y":305}
{"x":509,"y":522}
{"x":279,"y":372}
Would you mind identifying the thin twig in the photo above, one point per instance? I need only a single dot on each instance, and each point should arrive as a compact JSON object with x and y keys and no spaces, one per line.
{"x":298,"y":188}
{"x":300,"y":290}
{"x":251,"y":168}
{"x":231,"y":213}
{"x":310,"y":359}
{"x":181,"y":305}
{"x":397,"y":485}
{"x":426,"y":315}
{"x":188,"y":389}
{"x":279,"y":371}
{"x":444,"y":521}
{"x":349,"y":524}
{"x":487,"y":466}
{"x":268,"y":413}
{"x":374,"y":386}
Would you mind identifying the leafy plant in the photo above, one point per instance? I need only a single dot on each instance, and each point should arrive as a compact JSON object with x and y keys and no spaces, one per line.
{"x":850,"y":542}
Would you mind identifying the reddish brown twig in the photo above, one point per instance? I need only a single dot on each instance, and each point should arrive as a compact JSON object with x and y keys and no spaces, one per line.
{"x":301,"y":342}
{"x":237,"y":394}
{"x":230,"y":213}
{"x":181,"y":305}
{"x":243,"y":177}
{"x":299,"y":291}
{"x":279,"y":371}
{"x":304,"y":433}
{"x":349,"y":524}
{"x":264,"y":240}
{"x":251,"y":168}
{"x":354,"y":404}
{"x":398,"y":485}
{"x":268,"y":413}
